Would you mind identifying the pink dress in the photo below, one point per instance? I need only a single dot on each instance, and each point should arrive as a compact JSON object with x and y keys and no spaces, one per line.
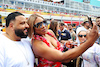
{"x":44,"y":62}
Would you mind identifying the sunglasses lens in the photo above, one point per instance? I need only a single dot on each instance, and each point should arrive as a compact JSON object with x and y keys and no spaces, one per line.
{"x":39,"y":25}
{"x":62,"y":24}
{"x":82,"y":35}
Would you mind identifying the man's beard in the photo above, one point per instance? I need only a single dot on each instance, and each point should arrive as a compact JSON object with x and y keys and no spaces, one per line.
{"x":20,"y":33}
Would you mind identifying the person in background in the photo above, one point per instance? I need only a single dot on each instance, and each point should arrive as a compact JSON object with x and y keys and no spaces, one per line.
{"x":72,"y":33}
{"x":90,"y":22}
{"x":47,"y":47}
{"x":3,"y":28}
{"x":91,"y":57}
{"x":54,"y":26}
{"x":98,"y":24}
{"x":74,"y":27}
{"x":15,"y":49}
{"x":51,"y":19}
{"x":85,"y":26}
{"x":66,"y":26}
{"x":65,"y":35}
{"x":80,"y":25}
{"x":0,"y":28}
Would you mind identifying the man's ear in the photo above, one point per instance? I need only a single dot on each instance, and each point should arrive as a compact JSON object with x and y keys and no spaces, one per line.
{"x":11,"y":25}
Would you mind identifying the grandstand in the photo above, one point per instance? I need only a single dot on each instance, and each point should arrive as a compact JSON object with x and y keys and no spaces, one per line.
{"x":69,"y":10}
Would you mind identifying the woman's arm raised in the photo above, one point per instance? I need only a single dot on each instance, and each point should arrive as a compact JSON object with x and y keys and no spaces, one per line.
{"x":42,"y":50}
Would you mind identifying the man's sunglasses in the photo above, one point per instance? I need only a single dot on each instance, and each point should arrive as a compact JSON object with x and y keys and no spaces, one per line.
{"x":61,"y":24}
{"x":82,"y":35}
{"x":39,"y":25}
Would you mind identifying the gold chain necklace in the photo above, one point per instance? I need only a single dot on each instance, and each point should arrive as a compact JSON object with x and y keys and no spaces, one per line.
{"x":26,"y":58}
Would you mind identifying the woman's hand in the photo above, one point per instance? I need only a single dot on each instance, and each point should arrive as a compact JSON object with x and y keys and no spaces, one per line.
{"x":92,"y":34}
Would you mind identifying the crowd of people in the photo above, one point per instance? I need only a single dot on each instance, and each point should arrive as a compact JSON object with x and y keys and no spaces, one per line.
{"x":55,"y":45}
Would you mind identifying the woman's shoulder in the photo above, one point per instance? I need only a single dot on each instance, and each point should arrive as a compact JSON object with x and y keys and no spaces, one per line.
{"x":37,"y":42}
{"x":50,"y":31}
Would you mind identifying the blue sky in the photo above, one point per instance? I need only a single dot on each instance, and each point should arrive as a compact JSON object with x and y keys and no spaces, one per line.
{"x":92,"y":2}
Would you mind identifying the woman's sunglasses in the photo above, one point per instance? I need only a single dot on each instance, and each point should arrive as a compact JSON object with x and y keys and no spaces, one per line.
{"x":82,"y":35}
{"x":39,"y":25}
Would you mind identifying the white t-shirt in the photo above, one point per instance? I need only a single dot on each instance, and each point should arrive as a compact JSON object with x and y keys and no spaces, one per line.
{"x":15,"y":53}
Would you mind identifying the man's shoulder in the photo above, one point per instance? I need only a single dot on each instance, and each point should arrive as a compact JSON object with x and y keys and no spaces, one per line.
{"x":26,"y":41}
{"x":3,"y":40}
